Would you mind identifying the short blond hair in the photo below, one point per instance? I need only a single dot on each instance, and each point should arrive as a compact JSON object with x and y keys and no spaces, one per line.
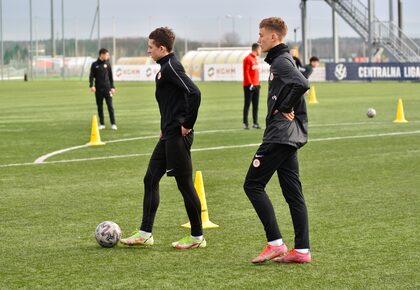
{"x":275,"y":24}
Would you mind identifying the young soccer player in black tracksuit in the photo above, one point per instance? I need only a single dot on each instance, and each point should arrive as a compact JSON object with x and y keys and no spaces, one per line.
{"x":179,"y":99}
{"x":104,"y":88}
{"x":286,"y":131}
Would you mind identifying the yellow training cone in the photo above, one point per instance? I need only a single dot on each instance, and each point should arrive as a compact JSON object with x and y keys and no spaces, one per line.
{"x":199,"y":187}
{"x":95,"y":138}
{"x":312,"y":96}
{"x":400,"y":118}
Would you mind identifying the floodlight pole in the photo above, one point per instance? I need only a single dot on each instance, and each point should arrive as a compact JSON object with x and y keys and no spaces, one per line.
{"x":335,"y":34}
{"x":295,"y":30}
{"x":114,"y":42}
{"x":304,"y":30}
{"x":370,"y":34}
{"x":250,"y":30}
{"x":99,"y":24}
{"x":64,"y":42}
{"x":30,"y":40}
{"x":76,"y":48}
{"x":1,"y":40}
{"x":52,"y":30}
{"x":391,"y":13}
{"x":185,"y":37}
{"x":400,"y":17}
{"x":233,"y":17}
{"x":36,"y":46}
{"x":219,"y":22}
{"x":90,"y":37}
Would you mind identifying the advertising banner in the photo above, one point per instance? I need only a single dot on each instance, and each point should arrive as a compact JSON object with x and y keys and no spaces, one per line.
{"x":230,"y":72}
{"x":373,"y":72}
{"x":135,"y":72}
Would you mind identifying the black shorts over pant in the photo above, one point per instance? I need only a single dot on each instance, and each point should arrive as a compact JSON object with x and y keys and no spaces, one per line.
{"x":272,"y":157}
{"x":173,"y":157}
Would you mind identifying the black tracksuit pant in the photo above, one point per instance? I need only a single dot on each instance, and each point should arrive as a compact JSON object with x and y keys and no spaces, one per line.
{"x":171,"y":156}
{"x":251,"y":96}
{"x":272,"y":157}
{"x":102,"y":94}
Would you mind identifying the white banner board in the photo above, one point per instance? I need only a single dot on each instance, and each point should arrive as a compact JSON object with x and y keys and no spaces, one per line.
{"x":211,"y":72}
{"x":230,"y":72}
{"x":136,"y":72}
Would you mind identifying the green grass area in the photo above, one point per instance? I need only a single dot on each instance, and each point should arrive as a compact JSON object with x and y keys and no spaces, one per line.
{"x":362,"y":193}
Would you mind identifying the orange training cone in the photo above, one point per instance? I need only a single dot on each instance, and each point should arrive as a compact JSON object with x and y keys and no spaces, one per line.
{"x":312,"y":96}
{"x":400,"y":118}
{"x":199,"y":187}
{"x":95,"y":137}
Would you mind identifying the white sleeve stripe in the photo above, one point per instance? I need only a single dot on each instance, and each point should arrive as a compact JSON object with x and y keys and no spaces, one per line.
{"x":178,"y":76}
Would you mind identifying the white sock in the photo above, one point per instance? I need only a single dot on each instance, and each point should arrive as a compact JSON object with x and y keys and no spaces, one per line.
{"x":147,"y":234}
{"x":197,"y":237}
{"x":302,"y":251}
{"x":276,"y":243}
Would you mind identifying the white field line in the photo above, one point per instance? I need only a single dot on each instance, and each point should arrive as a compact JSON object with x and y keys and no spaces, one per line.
{"x":156,"y":136}
{"x":43,"y":158}
{"x":215,"y":148}
{"x":46,"y":156}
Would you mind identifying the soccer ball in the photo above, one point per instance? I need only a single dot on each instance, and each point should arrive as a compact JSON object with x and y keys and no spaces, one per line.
{"x":108,"y":234}
{"x":371,"y":112}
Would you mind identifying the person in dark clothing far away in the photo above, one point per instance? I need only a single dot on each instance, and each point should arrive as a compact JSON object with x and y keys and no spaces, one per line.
{"x":308,"y":69}
{"x":286,"y":131}
{"x":178,"y":99}
{"x":101,"y":73}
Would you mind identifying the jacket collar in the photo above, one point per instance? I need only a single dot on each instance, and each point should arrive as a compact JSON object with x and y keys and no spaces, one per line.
{"x":275,"y":52}
{"x":165,"y":58}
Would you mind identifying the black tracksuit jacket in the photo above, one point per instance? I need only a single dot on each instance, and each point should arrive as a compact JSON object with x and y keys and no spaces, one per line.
{"x":307,"y":71}
{"x":286,"y":86}
{"x":178,"y":97}
{"x":101,"y":71}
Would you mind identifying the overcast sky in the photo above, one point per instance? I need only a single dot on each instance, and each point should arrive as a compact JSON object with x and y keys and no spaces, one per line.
{"x":194,"y":19}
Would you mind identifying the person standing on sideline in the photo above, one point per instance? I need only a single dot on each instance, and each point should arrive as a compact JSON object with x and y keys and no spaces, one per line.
{"x":294,"y":54}
{"x":178,"y":99}
{"x":104,"y":87}
{"x":309,"y":68}
{"x":251,"y":66}
{"x":286,"y":131}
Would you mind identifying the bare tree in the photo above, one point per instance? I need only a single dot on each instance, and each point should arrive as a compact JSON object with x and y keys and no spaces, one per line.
{"x":231,"y":39}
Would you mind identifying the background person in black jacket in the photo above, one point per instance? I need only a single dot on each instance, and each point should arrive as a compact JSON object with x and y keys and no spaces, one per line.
{"x":104,"y":88}
{"x":309,"y":68}
{"x":179,"y":99}
{"x":286,"y":131}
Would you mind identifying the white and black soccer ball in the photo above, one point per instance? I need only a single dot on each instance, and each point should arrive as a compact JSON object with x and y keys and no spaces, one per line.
{"x":371,"y":112}
{"x":108,"y":234}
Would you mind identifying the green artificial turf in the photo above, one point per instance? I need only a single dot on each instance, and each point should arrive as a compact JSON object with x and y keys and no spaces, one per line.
{"x":362,"y":193}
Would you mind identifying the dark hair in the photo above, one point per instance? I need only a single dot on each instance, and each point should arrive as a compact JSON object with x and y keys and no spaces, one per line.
{"x":103,"y":51}
{"x":163,"y":36}
{"x":275,"y":24}
{"x":255,"y":46}
{"x":314,"y":58}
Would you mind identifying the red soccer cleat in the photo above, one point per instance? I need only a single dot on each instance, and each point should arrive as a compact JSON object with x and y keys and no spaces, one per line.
{"x":269,"y":253}
{"x":294,"y":257}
